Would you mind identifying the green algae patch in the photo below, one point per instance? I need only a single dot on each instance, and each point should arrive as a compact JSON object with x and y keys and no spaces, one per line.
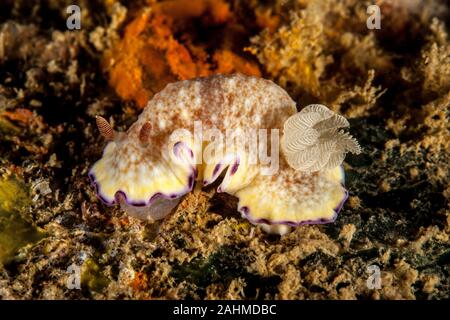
{"x":7,"y":127}
{"x":15,"y":231}
{"x":92,"y":277}
{"x":221,"y":267}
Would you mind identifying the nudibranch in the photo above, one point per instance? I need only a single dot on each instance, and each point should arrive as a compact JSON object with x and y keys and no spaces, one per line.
{"x":149,"y":168}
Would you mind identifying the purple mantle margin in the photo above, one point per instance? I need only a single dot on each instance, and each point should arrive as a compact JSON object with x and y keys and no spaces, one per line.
{"x":153,"y":197}
{"x":190,"y":184}
{"x":246,"y":212}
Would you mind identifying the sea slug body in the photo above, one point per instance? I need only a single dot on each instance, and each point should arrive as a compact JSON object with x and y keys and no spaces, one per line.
{"x":149,"y":168}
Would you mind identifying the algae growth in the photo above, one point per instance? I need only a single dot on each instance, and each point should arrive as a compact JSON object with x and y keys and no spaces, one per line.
{"x":15,"y":231}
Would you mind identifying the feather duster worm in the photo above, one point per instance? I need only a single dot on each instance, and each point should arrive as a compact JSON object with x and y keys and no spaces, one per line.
{"x":151,"y":166}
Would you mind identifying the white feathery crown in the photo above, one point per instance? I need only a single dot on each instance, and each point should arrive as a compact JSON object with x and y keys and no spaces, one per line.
{"x":313,"y":141}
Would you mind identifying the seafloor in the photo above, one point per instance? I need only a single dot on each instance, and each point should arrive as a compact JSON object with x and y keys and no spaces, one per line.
{"x":392,"y":83}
